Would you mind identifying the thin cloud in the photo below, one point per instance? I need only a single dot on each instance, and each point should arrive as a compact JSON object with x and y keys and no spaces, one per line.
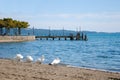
{"x":105,"y":15}
{"x":85,"y":15}
{"x":89,"y":21}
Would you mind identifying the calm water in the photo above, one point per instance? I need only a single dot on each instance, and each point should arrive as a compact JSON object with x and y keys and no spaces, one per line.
{"x":101,"y":51}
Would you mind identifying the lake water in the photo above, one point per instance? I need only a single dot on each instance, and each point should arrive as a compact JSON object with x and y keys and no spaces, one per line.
{"x":101,"y":51}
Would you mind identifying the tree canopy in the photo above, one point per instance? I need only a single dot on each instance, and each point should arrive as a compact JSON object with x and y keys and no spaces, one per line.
{"x":9,"y":23}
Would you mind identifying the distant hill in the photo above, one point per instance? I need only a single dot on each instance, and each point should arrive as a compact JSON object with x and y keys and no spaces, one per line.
{"x":46,"y":32}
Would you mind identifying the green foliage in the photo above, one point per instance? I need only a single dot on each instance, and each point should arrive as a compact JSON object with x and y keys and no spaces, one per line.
{"x":10,"y":23}
{"x":2,"y":24}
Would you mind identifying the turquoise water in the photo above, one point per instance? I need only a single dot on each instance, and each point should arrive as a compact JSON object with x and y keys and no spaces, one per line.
{"x":101,"y":51}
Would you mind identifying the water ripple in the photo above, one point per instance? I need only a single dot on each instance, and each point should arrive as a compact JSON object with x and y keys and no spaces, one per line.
{"x":99,"y":52}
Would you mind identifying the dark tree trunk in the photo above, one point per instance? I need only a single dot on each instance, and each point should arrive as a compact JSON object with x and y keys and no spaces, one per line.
{"x":1,"y":31}
{"x":15,"y":32}
{"x":7,"y":31}
{"x":19,"y":31}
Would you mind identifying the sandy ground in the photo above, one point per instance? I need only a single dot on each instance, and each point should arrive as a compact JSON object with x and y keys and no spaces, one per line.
{"x":12,"y":70}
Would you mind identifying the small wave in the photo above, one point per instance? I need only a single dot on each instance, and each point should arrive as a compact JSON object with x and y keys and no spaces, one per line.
{"x":106,"y":70}
{"x":114,"y":52}
{"x":117,"y":41}
{"x":111,"y":51}
{"x":114,"y":70}
{"x":104,"y":56}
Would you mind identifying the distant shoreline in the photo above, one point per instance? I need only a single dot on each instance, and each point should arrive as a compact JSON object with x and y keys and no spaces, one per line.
{"x":16,"y":38}
{"x":13,"y":70}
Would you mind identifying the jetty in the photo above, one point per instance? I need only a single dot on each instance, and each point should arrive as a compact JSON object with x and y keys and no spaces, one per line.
{"x":70,"y":37}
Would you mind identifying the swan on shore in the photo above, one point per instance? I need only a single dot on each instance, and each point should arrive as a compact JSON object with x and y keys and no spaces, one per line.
{"x":41,"y":59}
{"x":55,"y":61}
{"x":18,"y":57}
{"x":29,"y":59}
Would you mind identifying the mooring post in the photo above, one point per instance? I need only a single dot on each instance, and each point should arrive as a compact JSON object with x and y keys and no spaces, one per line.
{"x":65,"y":38}
{"x":85,"y":38}
{"x":33,"y":30}
{"x":53,"y":38}
{"x":82,"y":36}
{"x":59,"y":38}
{"x":78,"y":36}
{"x":47,"y":38}
{"x":71,"y":37}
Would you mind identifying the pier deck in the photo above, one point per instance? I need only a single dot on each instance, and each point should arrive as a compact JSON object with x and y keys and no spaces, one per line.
{"x":62,"y":37}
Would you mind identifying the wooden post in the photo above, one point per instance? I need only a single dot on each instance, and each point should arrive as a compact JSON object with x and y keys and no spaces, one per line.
{"x":33,"y":30}
{"x":71,"y":37}
{"x":47,"y":38}
{"x":78,"y":36}
{"x":82,"y":36}
{"x":53,"y":38}
{"x":49,"y":32}
{"x":59,"y":38}
{"x":65,"y":38}
{"x":85,"y":38}
{"x":63,"y":31}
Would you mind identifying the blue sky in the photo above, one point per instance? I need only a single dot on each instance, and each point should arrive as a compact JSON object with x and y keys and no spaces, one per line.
{"x":91,"y":15}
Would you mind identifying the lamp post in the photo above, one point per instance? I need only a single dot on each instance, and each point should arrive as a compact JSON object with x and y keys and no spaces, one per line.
{"x":33,"y":30}
{"x":49,"y":31}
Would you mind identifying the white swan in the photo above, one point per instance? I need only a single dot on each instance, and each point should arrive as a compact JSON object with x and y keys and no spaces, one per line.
{"x":41,"y":59}
{"x":55,"y":61}
{"x":29,"y":59}
{"x":18,"y":57}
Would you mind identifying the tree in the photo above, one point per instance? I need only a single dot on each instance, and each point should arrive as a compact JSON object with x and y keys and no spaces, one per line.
{"x":9,"y":23}
{"x":21,"y":24}
{"x":1,"y":26}
{"x":15,"y":22}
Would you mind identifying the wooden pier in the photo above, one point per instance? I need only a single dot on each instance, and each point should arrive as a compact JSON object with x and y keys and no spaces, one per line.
{"x":70,"y":37}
